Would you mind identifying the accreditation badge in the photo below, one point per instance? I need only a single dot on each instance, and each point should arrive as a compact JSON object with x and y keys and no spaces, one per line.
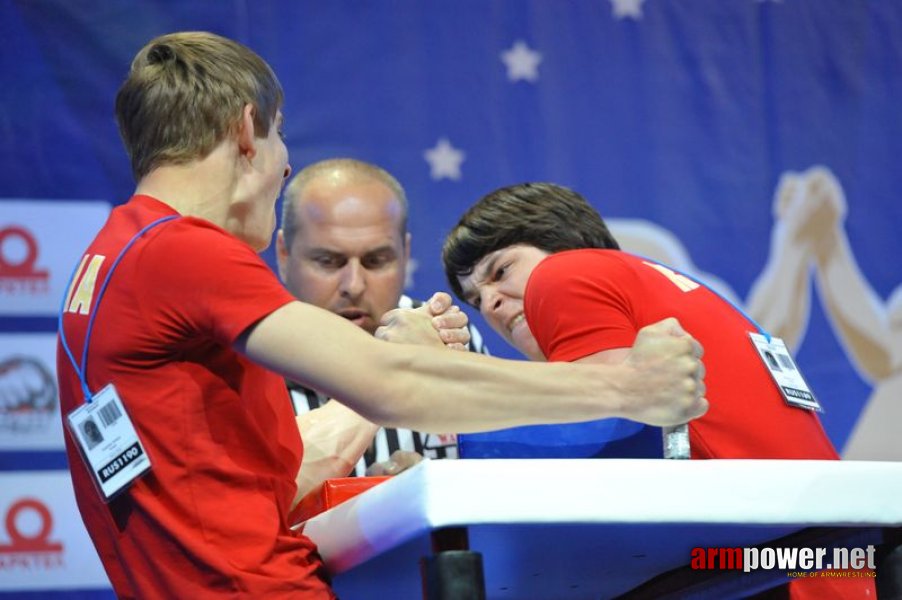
{"x":786,"y":374}
{"x":108,"y":442}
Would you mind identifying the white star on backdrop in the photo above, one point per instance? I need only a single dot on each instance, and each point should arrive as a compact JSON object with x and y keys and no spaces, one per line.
{"x":623,"y":9}
{"x":522,"y":62}
{"x":444,"y":160}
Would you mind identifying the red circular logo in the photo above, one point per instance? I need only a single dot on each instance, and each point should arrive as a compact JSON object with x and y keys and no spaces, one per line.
{"x":38,"y":542}
{"x":26,"y":266}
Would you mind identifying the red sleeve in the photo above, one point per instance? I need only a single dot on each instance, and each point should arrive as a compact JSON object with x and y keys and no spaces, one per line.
{"x":577,"y":303}
{"x":201,"y":279}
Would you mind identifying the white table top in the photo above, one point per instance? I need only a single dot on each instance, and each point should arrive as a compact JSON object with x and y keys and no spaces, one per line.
{"x":537,"y":513}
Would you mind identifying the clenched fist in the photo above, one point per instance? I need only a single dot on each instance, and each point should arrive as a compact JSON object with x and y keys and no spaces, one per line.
{"x":666,"y":385}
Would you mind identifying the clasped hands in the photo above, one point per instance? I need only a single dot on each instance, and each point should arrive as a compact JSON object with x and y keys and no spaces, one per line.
{"x":438,"y":322}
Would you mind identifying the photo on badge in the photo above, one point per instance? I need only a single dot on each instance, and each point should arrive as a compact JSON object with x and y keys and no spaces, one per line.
{"x":91,"y":434}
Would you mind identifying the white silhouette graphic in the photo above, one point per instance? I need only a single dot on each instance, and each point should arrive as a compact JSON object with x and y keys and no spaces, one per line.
{"x":808,"y":236}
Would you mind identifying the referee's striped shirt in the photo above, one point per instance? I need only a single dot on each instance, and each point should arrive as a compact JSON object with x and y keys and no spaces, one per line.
{"x":388,"y":440}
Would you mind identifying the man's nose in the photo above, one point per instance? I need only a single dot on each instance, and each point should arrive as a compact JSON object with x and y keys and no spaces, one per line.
{"x":353,"y":279}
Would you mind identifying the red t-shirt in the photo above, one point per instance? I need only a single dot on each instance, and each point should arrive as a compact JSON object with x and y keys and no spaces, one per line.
{"x":581,"y":302}
{"x":211,"y":515}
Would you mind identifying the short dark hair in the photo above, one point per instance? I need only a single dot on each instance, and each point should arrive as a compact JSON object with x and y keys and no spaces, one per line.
{"x":548,"y":216}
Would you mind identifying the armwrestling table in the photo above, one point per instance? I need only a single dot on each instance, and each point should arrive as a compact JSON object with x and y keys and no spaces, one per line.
{"x":571,"y":529}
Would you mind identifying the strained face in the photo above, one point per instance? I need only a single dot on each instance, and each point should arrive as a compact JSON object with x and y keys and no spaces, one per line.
{"x":496,"y":288}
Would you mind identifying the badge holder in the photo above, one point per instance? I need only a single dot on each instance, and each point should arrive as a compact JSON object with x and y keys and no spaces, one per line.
{"x":101,"y":427}
{"x":108,"y":442}
{"x":786,"y":374}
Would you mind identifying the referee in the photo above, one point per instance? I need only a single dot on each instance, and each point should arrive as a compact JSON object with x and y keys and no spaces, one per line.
{"x":344,"y":246}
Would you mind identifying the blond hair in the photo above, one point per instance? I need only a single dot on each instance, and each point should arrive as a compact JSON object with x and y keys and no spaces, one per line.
{"x":185,"y":92}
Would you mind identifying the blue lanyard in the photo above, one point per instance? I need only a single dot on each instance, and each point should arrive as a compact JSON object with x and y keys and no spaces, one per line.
{"x":760,"y":329}
{"x":82,"y":371}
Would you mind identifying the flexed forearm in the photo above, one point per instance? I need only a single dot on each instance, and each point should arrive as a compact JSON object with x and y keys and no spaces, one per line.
{"x":401,"y":385}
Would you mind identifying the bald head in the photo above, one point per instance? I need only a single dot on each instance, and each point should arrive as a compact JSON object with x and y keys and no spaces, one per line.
{"x":343,"y":245}
{"x":336,"y":172}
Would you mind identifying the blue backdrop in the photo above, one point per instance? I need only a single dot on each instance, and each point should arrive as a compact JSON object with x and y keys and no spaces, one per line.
{"x":714,"y":120}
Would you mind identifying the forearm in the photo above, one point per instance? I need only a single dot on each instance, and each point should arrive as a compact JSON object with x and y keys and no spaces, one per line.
{"x":854,"y":308}
{"x":464,"y":392}
{"x":335,"y":437}
{"x":400,"y":385}
{"x":780,"y":299}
